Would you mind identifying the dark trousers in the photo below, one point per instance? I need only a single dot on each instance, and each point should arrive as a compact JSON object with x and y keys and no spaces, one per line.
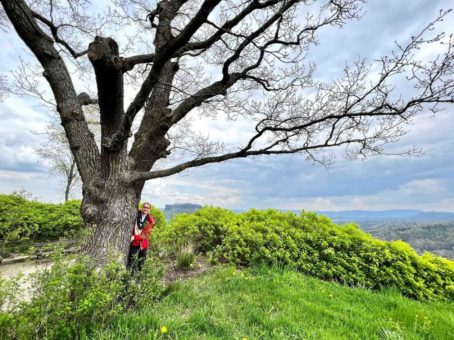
{"x":136,"y":258}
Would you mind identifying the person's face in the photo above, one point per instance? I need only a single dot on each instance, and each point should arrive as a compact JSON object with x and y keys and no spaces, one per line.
{"x":145,"y":208}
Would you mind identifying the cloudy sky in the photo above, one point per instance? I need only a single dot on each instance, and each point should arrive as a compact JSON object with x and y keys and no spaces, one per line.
{"x":384,"y":182}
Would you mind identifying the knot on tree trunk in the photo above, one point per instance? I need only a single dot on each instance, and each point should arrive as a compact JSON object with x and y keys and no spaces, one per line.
{"x":115,"y":142}
{"x":160,"y":148}
{"x":164,"y":119}
{"x":85,"y":99}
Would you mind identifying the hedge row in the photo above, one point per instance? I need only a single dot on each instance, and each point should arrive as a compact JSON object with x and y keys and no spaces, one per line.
{"x":314,"y":245}
{"x":23,"y":222}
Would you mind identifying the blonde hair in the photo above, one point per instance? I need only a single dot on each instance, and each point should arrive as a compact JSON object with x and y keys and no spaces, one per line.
{"x":148,"y":203}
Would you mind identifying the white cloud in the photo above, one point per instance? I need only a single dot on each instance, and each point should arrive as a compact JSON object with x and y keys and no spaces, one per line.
{"x":426,"y":194}
{"x":183,"y":189}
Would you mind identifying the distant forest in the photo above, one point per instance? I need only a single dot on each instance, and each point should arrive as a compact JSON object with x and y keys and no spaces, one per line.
{"x":436,"y":237}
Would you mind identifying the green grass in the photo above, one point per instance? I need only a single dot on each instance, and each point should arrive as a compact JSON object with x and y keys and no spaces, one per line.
{"x":265,"y":303}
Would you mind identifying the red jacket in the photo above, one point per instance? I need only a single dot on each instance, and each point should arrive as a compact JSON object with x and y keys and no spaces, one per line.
{"x":141,"y":237}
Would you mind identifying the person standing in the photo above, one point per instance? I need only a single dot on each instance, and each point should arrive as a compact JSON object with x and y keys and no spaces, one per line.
{"x":140,"y":238}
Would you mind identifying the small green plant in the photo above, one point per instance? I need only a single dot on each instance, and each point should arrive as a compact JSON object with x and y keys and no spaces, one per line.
{"x":186,"y":257}
{"x":391,"y":332}
{"x":73,"y":298}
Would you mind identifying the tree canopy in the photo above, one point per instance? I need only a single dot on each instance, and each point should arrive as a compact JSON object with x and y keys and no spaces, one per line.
{"x":232,"y":58}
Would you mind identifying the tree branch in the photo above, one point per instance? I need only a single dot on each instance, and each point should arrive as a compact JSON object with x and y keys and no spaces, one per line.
{"x":340,"y":114}
{"x":57,"y":38}
{"x":196,"y":22}
{"x":144,"y":176}
{"x":226,"y":27}
{"x":80,"y":138}
{"x":155,"y":123}
{"x":221,"y":87}
{"x":130,"y":62}
{"x":166,"y":45}
{"x":215,"y":89}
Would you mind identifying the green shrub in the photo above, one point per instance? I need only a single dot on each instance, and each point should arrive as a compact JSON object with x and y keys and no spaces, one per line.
{"x":23,"y":222}
{"x":314,"y":245}
{"x":204,"y":229}
{"x":72,"y":299}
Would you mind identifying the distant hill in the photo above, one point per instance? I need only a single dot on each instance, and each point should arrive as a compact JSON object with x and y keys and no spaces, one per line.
{"x":171,"y":210}
{"x":425,"y":231}
{"x":413,"y":215}
{"x":435,"y":237}
{"x":377,"y":215}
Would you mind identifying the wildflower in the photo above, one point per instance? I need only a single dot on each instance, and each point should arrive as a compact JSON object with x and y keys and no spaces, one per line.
{"x":163,"y":329}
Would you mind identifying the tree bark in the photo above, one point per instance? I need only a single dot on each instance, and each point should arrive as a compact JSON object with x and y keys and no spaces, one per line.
{"x":110,"y":237}
{"x":109,"y":199}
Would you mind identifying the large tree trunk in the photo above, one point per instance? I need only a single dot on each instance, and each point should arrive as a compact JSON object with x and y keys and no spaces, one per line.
{"x":109,"y":207}
{"x":109,"y":199}
{"x":110,"y":236}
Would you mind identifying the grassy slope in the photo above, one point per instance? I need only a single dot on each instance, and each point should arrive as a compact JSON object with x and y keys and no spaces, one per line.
{"x":280,"y":304}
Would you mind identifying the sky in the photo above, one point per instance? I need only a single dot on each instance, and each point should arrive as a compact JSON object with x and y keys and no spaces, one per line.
{"x":285,"y":182}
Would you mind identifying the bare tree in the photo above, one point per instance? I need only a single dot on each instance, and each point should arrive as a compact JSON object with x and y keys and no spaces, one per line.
{"x":231,"y":59}
{"x":57,"y":153}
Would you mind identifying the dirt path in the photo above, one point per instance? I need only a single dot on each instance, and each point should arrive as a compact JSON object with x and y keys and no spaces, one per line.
{"x":26,"y":268}
{"x":10,"y":270}
{"x":172,"y":273}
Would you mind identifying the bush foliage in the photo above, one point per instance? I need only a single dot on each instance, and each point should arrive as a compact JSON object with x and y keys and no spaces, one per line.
{"x":23,"y":222}
{"x":314,"y":245}
{"x":74,"y":298}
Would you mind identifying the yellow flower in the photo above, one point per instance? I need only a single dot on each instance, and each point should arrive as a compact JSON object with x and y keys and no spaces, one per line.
{"x":244,"y":338}
{"x":163,"y":329}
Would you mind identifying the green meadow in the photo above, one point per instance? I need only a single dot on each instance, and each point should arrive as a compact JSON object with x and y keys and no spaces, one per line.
{"x":273,"y":303}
